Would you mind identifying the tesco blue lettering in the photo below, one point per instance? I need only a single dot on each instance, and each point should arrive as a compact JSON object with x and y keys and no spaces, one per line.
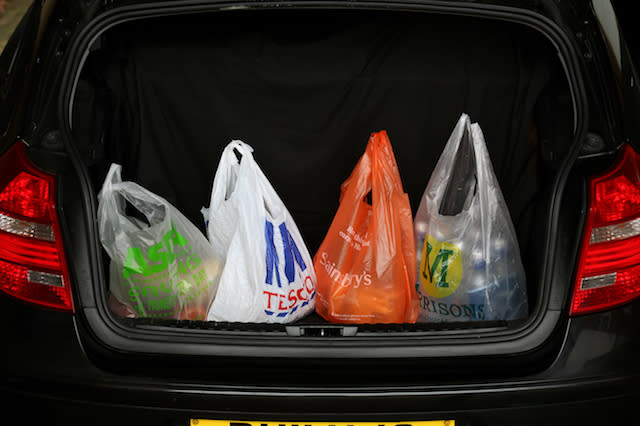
{"x":285,"y":302}
{"x":292,"y":255}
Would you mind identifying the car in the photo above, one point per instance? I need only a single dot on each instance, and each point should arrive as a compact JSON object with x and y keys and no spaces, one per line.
{"x":161,"y":87}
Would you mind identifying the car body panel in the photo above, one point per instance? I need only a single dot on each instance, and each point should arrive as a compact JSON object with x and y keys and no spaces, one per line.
{"x":86,"y":368}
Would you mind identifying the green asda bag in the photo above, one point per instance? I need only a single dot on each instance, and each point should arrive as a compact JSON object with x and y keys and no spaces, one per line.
{"x":161,"y":268}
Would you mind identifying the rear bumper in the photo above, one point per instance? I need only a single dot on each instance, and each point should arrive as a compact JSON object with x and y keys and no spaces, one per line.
{"x":580,"y":402}
{"x":49,"y":376}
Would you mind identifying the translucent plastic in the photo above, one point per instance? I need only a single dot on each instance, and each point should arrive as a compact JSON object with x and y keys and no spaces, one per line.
{"x":366,"y":263}
{"x":164,"y":268}
{"x":469,"y":266}
{"x":268,"y":274}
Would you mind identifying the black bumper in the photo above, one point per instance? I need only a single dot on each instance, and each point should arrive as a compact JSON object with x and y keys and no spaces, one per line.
{"x":49,"y":378}
{"x":589,"y":402}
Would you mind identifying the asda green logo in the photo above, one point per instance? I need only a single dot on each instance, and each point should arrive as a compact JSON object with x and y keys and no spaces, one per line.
{"x":440,"y":267}
{"x":159,"y":256}
{"x":156,"y":290}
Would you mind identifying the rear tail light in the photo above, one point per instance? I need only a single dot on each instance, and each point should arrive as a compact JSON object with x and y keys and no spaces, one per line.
{"x":609,"y":266}
{"x":32,"y":262}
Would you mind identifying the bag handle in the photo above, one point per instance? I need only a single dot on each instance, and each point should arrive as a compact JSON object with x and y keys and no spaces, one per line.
{"x":244,"y":149}
{"x":461,"y":185}
{"x":385,"y":172}
{"x":107,"y":197}
{"x":113,"y":177}
{"x":358,"y":184}
{"x":226,"y":176}
{"x":376,"y":170}
{"x":112,"y":217}
{"x":388,"y":200}
{"x":115,"y":193}
{"x":489,"y":195}
{"x":229,"y":157}
{"x":442,"y":172}
{"x":108,"y":205}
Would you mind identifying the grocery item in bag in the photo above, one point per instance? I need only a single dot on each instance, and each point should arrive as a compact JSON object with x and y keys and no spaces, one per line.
{"x":366,"y":263}
{"x":120,"y":309}
{"x":469,"y":266}
{"x":162,"y":266}
{"x":268,"y":274}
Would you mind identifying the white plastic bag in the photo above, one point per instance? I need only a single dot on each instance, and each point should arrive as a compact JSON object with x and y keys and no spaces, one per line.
{"x":268,"y":275}
{"x":469,"y":266}
{"x":164,"y":268}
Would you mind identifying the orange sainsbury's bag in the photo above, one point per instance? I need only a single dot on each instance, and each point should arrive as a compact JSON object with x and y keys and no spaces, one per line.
{"x":366,"y":265}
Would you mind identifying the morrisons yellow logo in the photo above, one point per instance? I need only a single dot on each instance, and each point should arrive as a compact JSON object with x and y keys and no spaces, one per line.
{"x":440,"y":267}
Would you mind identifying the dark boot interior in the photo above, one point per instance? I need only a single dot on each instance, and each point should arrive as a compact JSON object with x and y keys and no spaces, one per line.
{"x":306,"y":88}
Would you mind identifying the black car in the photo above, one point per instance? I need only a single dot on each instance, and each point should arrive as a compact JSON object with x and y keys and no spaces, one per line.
{"x":161,"y":87}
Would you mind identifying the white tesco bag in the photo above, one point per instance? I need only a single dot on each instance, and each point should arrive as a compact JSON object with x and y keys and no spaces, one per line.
{"x":469,"y":266}
{"x":268,"y":274}
{"x":164,"y":268}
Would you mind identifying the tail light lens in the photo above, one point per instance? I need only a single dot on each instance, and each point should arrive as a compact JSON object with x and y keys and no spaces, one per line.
{"x":609,"y":267}
{"x":32,"y":262}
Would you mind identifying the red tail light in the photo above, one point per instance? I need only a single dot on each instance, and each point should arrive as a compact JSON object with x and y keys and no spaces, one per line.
{"x":32,"y":263}
{"x":609,"y":267}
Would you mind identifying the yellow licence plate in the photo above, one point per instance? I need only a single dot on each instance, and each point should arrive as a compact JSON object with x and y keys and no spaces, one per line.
{"x":204,"y":422}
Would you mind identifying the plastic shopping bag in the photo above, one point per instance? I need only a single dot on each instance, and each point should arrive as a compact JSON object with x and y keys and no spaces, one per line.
{"x":161,"y":268}
{"x":366,"y":263}
{"x":469,"y":266}
{"x":268,"y":275}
